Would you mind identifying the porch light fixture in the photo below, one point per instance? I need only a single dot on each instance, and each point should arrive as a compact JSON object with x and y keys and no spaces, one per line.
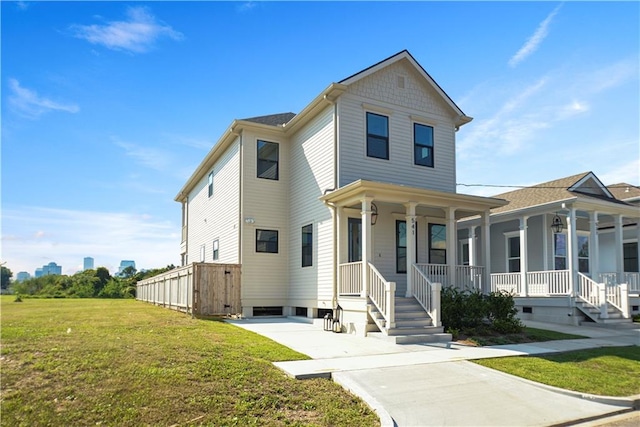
{"x":374,"y":214}
{"x":556,"y":224}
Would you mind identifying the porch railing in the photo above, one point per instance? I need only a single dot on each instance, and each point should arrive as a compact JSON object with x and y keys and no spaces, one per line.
{"x":427,"y":294}
{"x":618,"y":296}
{"x":351,"y":278}
{"x":631,"y":279}
{"x":590,"y":291}
{"x":506,"y":282}
{"x":382,"y":295}
{"x":464,"y":277}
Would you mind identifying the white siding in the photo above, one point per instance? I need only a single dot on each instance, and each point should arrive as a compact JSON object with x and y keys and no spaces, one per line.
{"x":265,"y":276}
{"x":402,"y":105}
{"x":312,"y":172}
{"x":216,"y":217}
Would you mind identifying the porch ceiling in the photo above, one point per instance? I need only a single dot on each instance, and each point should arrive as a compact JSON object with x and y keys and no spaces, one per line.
{"x":400,"y":194}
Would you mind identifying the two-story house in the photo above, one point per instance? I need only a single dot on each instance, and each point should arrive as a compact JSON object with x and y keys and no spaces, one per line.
{"x":349,"y":203}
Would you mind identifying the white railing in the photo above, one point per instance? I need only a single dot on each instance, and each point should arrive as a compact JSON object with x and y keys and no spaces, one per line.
{"x":506,"y":282}
{"x":618,"y":296}
{"x":554,"y":282}
{"x":631,"y":279}
{"x":350,"y":278}
{"x":435,"y":273}
{"x":469,"y":277}
{"x":427,"y":294}
{"x":590,"y":291}
{"x":382,"y":295}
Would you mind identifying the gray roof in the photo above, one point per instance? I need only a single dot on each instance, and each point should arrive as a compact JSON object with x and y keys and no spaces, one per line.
{"x":272,"y":119}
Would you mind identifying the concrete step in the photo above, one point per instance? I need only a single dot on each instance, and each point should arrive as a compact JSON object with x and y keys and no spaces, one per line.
{"x":413,"y":323}
{"x":437,"y":337}
{"x":414,"y":330}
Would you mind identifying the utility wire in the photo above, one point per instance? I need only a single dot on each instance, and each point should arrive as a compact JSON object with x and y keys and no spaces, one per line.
{"x":541,"y":186}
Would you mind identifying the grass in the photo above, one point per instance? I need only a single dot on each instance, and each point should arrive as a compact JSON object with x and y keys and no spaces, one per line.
{"x":486,"y":336}
{"x":608,"y":371}
{"x":127,"y":363}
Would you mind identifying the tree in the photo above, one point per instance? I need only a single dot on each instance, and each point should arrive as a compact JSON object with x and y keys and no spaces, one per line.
{"x":5,"y":279}
{"x":128,"y":272}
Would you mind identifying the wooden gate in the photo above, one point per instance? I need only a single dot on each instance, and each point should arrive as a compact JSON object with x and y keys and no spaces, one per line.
{"x":216,"y":289}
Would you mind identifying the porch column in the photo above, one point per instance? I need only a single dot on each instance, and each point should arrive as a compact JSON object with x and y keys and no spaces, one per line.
{"x":411,"y":244}
{"x":524,"y":256}
{"x":594,"y":246}
{"x":366,"y":243}
{"x":572,"y":252}
{"x":340,"y":233}
{"x":452,"y":243}
{"x":617,"y":227}
{"x":486,"y":249}
{"x":473,"y":256}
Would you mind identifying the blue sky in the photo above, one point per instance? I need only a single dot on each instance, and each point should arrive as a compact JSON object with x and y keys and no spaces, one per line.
{"x":107,"y":107}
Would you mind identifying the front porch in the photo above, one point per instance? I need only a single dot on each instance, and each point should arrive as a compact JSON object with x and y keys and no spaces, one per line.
{"x":387,"y":238}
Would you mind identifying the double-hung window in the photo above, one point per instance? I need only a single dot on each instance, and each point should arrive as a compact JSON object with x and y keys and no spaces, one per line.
{"x":267,"y":241}
{"x":630,"y":255}
{"x":422,"y":145}
{"x":583,"y":254}
{"x":513,"y":254}
{"x":437,"y":244}
{"x":216,"y":249}
{"x":377,"y":136}
{"x":268,"y":158}
{"x":401,"y":246}
{"x":307,"y":245}
{"x":210,"y":184}
{"x":560,"y":251}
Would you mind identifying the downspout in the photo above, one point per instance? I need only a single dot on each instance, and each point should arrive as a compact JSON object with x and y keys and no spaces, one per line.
{"x":334,"y":296}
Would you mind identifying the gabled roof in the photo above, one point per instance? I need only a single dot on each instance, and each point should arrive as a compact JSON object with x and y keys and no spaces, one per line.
{"x":624,"y":191}
{"x":584,"y":185}
{"x":272,"y":119}
{"x":462,"y":118}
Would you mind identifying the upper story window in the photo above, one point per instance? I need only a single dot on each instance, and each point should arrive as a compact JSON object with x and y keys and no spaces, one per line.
{"x":307,"y":245}
{"x":268,"y":158}
{"x":267,"y":241}
{"x":377,"y":136}
{"x":210,"y":185}
{"x":423,"y":145}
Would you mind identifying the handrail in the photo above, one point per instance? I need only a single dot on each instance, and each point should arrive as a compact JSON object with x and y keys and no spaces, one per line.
{"x":426,"y":293}
{"x":382,"y":295}
{"x":350,"y":278}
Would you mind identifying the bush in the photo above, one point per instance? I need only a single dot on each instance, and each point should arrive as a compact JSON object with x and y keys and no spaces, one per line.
{"x":471,"y":310}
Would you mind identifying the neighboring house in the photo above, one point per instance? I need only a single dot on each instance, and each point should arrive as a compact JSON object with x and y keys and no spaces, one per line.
{"x":334,"y":205}
{"x":568,"y":249}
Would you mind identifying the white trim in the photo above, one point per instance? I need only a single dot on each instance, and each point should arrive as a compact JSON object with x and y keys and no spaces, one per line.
{"x":376,"y":109}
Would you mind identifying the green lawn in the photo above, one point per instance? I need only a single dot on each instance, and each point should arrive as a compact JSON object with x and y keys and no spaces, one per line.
{"x":486,"y":336}
{"x":127,"y":363}
{"x":608,"y":371}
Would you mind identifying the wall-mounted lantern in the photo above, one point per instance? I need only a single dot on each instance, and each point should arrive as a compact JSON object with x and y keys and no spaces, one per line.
{"x":556,"y":224}
{"x":374,"y":214}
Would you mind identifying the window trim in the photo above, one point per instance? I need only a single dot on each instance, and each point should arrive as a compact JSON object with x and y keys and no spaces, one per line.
{"x":429,"y":242}
{"x":210,"y":184}
{"x":385,"y":139}
{"x":258,"y":160}
{"x":398,"y":247}
{"x":258,"y":230}
{"x":507,"y":255}
{"x":431,"y":147}
{"x":307,"y":245}
{"x":215,"y":249}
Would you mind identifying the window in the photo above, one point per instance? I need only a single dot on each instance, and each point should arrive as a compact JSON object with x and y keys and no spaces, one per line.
{"x":513,"y":254}
{"x":268,"y":154}
{"x":307,"y":245}
{"x":401,"y":247}
{"x":630,"y":251}
{"x":583,"y":254}
{"x":377,"y":136}
{"x":437,"y":244}
{"x":216,"y":250}
{"x":267,"y":241}
{"x":422,"y":145}
{"x":211,"y":184}
{"x":355,"y":245}
{"x":464,"y":252}
{"x":560,"y":251}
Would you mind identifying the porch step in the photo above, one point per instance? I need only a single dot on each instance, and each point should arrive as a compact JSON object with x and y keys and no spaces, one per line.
{"x":614,"y":316}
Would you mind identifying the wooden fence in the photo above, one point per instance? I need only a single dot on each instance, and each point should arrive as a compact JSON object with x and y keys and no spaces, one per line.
{"x":199,"y":289}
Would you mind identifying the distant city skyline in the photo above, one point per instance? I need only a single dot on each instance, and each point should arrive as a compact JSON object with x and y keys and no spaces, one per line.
{"x":88,"y":263}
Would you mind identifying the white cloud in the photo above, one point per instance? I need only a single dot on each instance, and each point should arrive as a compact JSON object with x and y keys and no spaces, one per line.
{"x":36,"y":236}
{"x":531,"y":45}
{"x":627,"y":172}
{"x":137,"y":34}
{"x":150,"y":157}
{"x":28,"y":103}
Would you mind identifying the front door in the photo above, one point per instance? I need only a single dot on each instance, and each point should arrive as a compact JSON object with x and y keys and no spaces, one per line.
{"x":355,"y":239}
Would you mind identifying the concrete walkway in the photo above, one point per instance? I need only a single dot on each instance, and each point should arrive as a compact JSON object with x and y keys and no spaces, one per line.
{"x":435,"y":385}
